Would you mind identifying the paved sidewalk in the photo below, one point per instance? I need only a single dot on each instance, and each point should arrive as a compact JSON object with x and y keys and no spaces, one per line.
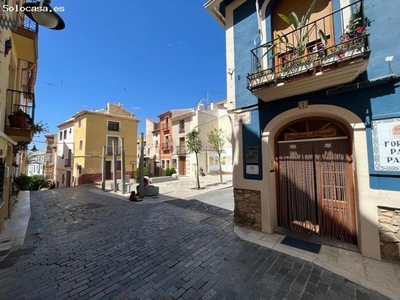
{"x":381,"y":276}
{"x":378,"y":275}
{"x":81,"y":245}
{"x":182,"y":188}
{"x":14,"y":234}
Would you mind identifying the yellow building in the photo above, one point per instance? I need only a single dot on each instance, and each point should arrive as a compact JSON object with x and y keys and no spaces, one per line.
{"x":18,"y":67}
{"x":98,"y":130}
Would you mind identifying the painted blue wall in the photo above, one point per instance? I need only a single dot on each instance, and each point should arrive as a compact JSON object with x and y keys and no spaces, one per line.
{"x":377,"y":102}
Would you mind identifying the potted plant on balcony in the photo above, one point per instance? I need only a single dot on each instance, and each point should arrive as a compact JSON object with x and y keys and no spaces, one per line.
{"x":39,"y":128}
{"x":298,"y":47}
{"x":20,"y":119}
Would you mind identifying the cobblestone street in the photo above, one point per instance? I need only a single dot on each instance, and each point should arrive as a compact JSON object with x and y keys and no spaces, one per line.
{"x":82,"y":245}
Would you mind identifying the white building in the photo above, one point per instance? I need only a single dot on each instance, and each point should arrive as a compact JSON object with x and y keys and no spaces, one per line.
{"x":152,"y":148}
{"x":35,"y":163}
{"x":65,"y":155}
{"x":204,"y":119}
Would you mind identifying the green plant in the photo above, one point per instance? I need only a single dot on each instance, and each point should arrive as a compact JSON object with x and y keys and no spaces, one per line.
{"x":51,"y":184}
{"x":217,"y":140}
{"x":173,"y":171}
{"x":301,"y":32}
{"x":145,"y":172}
{"x":21,"y":146}
{"x":21,"y":113}
{"x":168,"y":172}
{"x":194,"y":144}
{"x":23,"y":182}
{"x":301,"y":35}
{"x":40,"y":127}
{"x":37,"y":182}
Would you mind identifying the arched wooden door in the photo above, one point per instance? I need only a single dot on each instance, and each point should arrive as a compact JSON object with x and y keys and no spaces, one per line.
{"x":315,"y":180}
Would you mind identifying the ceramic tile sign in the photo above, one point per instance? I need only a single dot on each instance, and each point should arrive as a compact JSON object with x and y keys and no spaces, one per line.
{"x":386,"y":144}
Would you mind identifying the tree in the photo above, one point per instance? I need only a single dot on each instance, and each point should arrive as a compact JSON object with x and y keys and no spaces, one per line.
{"x":195,"y":145}
{"x":217,"y":140}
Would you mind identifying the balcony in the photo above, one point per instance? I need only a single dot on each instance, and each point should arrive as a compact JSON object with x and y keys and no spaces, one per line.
{"x":156,"y":127}
{"x":25,"y":38}
{"x":20,"y":118}
{"x":332,"y":56}
{"x":165,"y":127}
{"x":49,"y":164}
{"x":182,"y":129}
{"x":181,"y":150}
{"x":109,"y":150}
{"x":68,"y":163}
{"x":166,"y":146}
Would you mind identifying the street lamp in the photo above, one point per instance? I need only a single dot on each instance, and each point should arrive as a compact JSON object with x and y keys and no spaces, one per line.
{"x":43,"y":14}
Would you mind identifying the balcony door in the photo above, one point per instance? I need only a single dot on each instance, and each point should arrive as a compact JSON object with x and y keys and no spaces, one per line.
{"x":315,"y":180}
{"x":322,"y":9}
{"x":110,"y":140}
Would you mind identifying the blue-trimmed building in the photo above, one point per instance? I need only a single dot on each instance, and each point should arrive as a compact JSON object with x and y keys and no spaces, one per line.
{"x":313,"y":89}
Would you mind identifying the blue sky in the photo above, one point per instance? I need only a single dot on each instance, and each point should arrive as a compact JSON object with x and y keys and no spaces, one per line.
{"x":151,"y":56}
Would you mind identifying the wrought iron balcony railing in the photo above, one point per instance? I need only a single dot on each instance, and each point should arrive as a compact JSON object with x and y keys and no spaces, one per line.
{"x":181,"y":150}
{"x":328,"y":48}
{"x":109,"y":150}
{"x":165,"y":127}
{"x":166,"y":146}
{"x":12,"y":19}
{"x":26,"y":23}
{"x":20,"y":109}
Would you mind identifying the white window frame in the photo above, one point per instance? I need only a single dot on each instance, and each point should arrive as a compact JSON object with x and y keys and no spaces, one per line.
{"x":119,"y":125}
{"x":119,"y":143}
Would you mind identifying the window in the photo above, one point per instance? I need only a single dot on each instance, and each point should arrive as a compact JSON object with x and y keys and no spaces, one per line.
{"x":181,"y":126}
{"x":70,"y":130}
{"x":80,"y":145}
{"x":110,"y":140}
{"x":174,"y":163}
{"x":79,"y":122}
{"x":65,"y":134}
{"x":113,"y":126}
{"x":166,"y":121}
{"x":62,"y":178}
{"x":163,"y":164}
{"x":61,"y":134}
{"x":167,"y":163}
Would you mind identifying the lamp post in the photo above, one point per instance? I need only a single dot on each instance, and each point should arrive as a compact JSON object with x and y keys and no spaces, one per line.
{"x":34,"y":149}
{"x":141,"y":166}
{"x":43,"y":14}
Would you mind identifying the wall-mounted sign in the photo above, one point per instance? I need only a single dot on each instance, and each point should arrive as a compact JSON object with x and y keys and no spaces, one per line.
{"x":252,"y":170}
{"x":243,"y":118}
{"x":251,"y":155}
{"x":386,"y":144}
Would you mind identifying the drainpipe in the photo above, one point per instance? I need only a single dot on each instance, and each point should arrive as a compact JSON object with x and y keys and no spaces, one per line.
{"x":32,"y":77}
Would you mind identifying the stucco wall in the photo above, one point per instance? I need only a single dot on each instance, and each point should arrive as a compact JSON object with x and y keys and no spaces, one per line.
{"x":355,"y":108}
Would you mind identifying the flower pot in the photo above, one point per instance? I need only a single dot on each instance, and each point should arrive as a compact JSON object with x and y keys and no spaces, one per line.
{"x":18,"y":121}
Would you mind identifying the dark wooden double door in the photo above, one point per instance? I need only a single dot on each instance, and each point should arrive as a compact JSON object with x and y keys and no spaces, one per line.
{"x":315,"y":187}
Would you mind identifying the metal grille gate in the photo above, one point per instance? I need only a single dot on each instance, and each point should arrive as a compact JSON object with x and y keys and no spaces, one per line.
{"x":315,"y":188}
